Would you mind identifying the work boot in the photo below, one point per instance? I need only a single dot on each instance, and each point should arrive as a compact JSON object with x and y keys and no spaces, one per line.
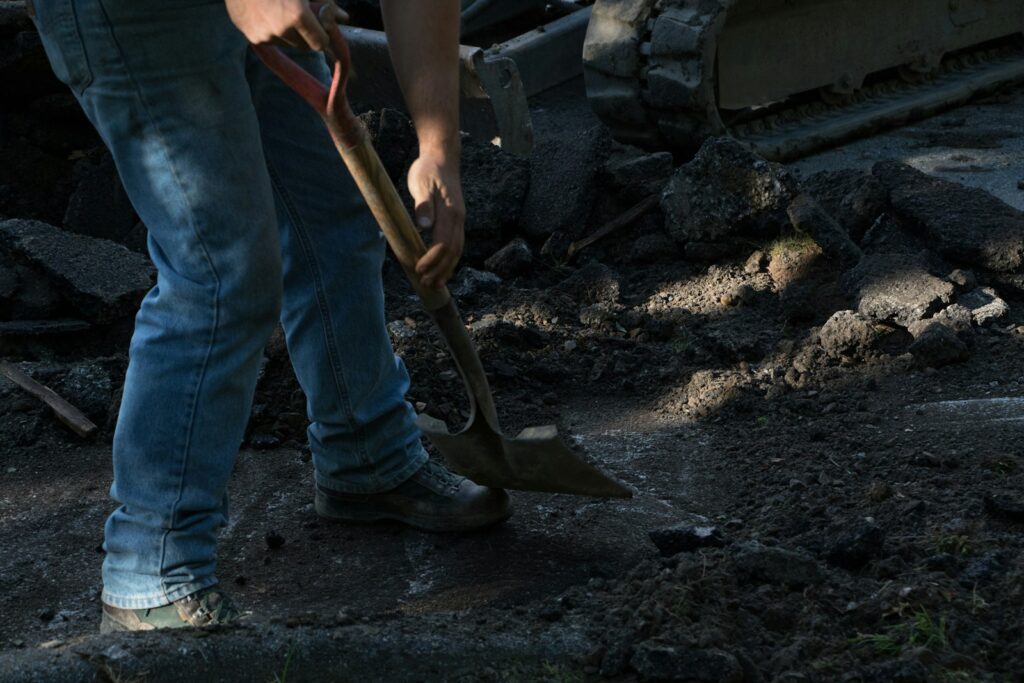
{"x":208,"y":607}
{"x":433,"y":499}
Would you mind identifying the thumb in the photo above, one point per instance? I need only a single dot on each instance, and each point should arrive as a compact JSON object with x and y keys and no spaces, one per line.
{"x":424,"y":210}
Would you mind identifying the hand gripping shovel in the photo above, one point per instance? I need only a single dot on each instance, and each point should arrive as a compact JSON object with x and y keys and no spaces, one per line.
{"x":537,"y":459}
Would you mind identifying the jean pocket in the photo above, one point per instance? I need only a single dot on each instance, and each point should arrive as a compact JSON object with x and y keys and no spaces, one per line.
{"x":57,"y":21}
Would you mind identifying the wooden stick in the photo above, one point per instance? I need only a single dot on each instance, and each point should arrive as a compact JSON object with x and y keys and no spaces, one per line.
{"x":611,"y":226}
{"x":66,"y":413}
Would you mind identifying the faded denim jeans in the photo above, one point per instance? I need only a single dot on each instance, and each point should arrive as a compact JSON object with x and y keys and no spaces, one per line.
{"x":252,"y":219}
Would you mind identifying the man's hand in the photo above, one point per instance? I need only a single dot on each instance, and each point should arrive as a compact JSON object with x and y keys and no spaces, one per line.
{"x":283,"y":22}
{"x":437,"y":192}
{"x":423,"y":38}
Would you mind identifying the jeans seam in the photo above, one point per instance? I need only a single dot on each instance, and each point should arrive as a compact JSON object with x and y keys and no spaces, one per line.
{"x":337,"y":371}
{"x":201,"y":374}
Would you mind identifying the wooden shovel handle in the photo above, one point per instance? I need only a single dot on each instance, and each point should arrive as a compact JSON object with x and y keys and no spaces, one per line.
{"x":353,"y":143}
{"x":386,"y":205}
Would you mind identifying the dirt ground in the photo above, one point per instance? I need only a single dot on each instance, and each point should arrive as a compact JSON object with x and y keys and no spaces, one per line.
{"x":822,"y":517}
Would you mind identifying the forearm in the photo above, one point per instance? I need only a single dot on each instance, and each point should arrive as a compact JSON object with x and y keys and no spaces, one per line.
{"x":423,"y":38}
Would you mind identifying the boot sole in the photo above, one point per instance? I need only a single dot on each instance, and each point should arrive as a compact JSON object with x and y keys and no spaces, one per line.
{"x":432,"y":524}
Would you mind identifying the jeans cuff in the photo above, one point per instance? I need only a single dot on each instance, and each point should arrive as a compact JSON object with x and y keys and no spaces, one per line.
{"x":416,"y":461}
{"x":158,"y":599}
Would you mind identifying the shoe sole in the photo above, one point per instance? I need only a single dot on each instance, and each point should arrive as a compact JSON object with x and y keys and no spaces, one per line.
{"x":432,"y":524}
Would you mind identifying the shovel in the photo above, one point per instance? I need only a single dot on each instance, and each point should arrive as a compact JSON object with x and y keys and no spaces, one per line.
{"x":537,"y":459}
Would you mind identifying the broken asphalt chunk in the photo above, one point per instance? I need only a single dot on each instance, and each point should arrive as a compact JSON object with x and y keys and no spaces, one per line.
{"x":103,"y":280}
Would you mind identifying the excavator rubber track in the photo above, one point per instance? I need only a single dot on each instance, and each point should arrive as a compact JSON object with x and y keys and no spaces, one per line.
{"x":791,"y":76}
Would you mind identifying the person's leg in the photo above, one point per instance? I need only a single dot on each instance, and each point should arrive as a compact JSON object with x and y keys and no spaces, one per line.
{"x":370,"y":464}
{"x":164,"y":83}
{"x":363,"y":433}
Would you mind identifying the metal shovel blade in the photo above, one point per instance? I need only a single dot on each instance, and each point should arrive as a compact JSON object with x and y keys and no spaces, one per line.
{"x":536,"y":460}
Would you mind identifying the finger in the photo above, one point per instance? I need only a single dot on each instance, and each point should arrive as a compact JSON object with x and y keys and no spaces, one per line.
{"x":311,"y":32}
{"x":291,"y":39}
{"x":428,"y":265}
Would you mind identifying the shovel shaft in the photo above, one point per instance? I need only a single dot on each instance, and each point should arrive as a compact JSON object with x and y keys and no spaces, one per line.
{"x":386,"y":205}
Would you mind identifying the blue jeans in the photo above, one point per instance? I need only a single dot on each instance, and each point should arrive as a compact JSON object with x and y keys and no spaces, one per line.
{"x":252,"y":219}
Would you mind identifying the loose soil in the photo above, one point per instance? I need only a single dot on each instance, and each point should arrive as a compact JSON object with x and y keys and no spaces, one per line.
{"x":867,"y":511}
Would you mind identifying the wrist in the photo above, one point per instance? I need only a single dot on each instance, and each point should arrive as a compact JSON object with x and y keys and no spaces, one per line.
{"x":443,"y":149}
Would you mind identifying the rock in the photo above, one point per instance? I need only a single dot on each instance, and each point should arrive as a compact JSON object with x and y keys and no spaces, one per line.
{"x":661,"y":662}
{"x":103,"y":280}
{"x":763,"y":564}
{"x":888,"y":235}
{"x":515,"y":258}
{"x":651,"y":247}
{"x":562,"y":182}
{"x":32,"y":182}
{"x":964,"y":279}
{"x":965,"y":224}
{"x":848,"y":336}
{"x":90,"y":388}
{"x":593,"y":283}
{"x":492,"y":331}
{"x":556,"y":247}
{"x":856,"y":547}
{"x":684,"y":538}
{"x":598,"y":316}
{"x":1005,"y":507}
{"x":958,"y":318}
{"x":99,"y":206}
{"x":755,"y":263}
{"x":854,"y":198}
{"x":726,"y":190}
{"x":394,"y":138}
{"x":636,"y":174}
{"x":982,"y":569}
{"x":937,"y":345}
{"x":985,"y":306}
{"x":896,"y":288}
{"x":470,"y":283}
{"x":494,"y":184}
{"x":805,"y":279}
{"x":810,"y":218}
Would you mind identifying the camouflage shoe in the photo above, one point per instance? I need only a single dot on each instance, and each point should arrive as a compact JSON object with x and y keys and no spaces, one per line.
{"x":208,"y":607}
{"x":432,"y":499}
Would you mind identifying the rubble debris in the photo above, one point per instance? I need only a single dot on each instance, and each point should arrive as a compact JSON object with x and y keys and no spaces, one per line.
{"x":965,"y":224}
{"x":686,"y":537}
{"x":727,"y":190}
{"x":562,"y":182}
{"x":38,"y":328}
{"x":888,"y":235}
{"x":663,"y":662}
{"x":848,"y":336}
{"x":494,"y":185}
{"x":897,"y":288}
{"x":593,"y":283}
{"x":810,"y":218}
{"x":636,"y":174}
{"x":65,"y":412}
{"x":1005,"y":506}
{"x":99,"y":205}
{"x":856,"y":547}
{"x":515,"y":258}
{"x":627,"y":218}
{"x":985,"y":306}
{"x":936,"y":345}
{"x":103,"y":280}
{"x":651,"y":247}
{"x":470,"y":283}
{"x":775,"y":565}
{"x":853,"y":197}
